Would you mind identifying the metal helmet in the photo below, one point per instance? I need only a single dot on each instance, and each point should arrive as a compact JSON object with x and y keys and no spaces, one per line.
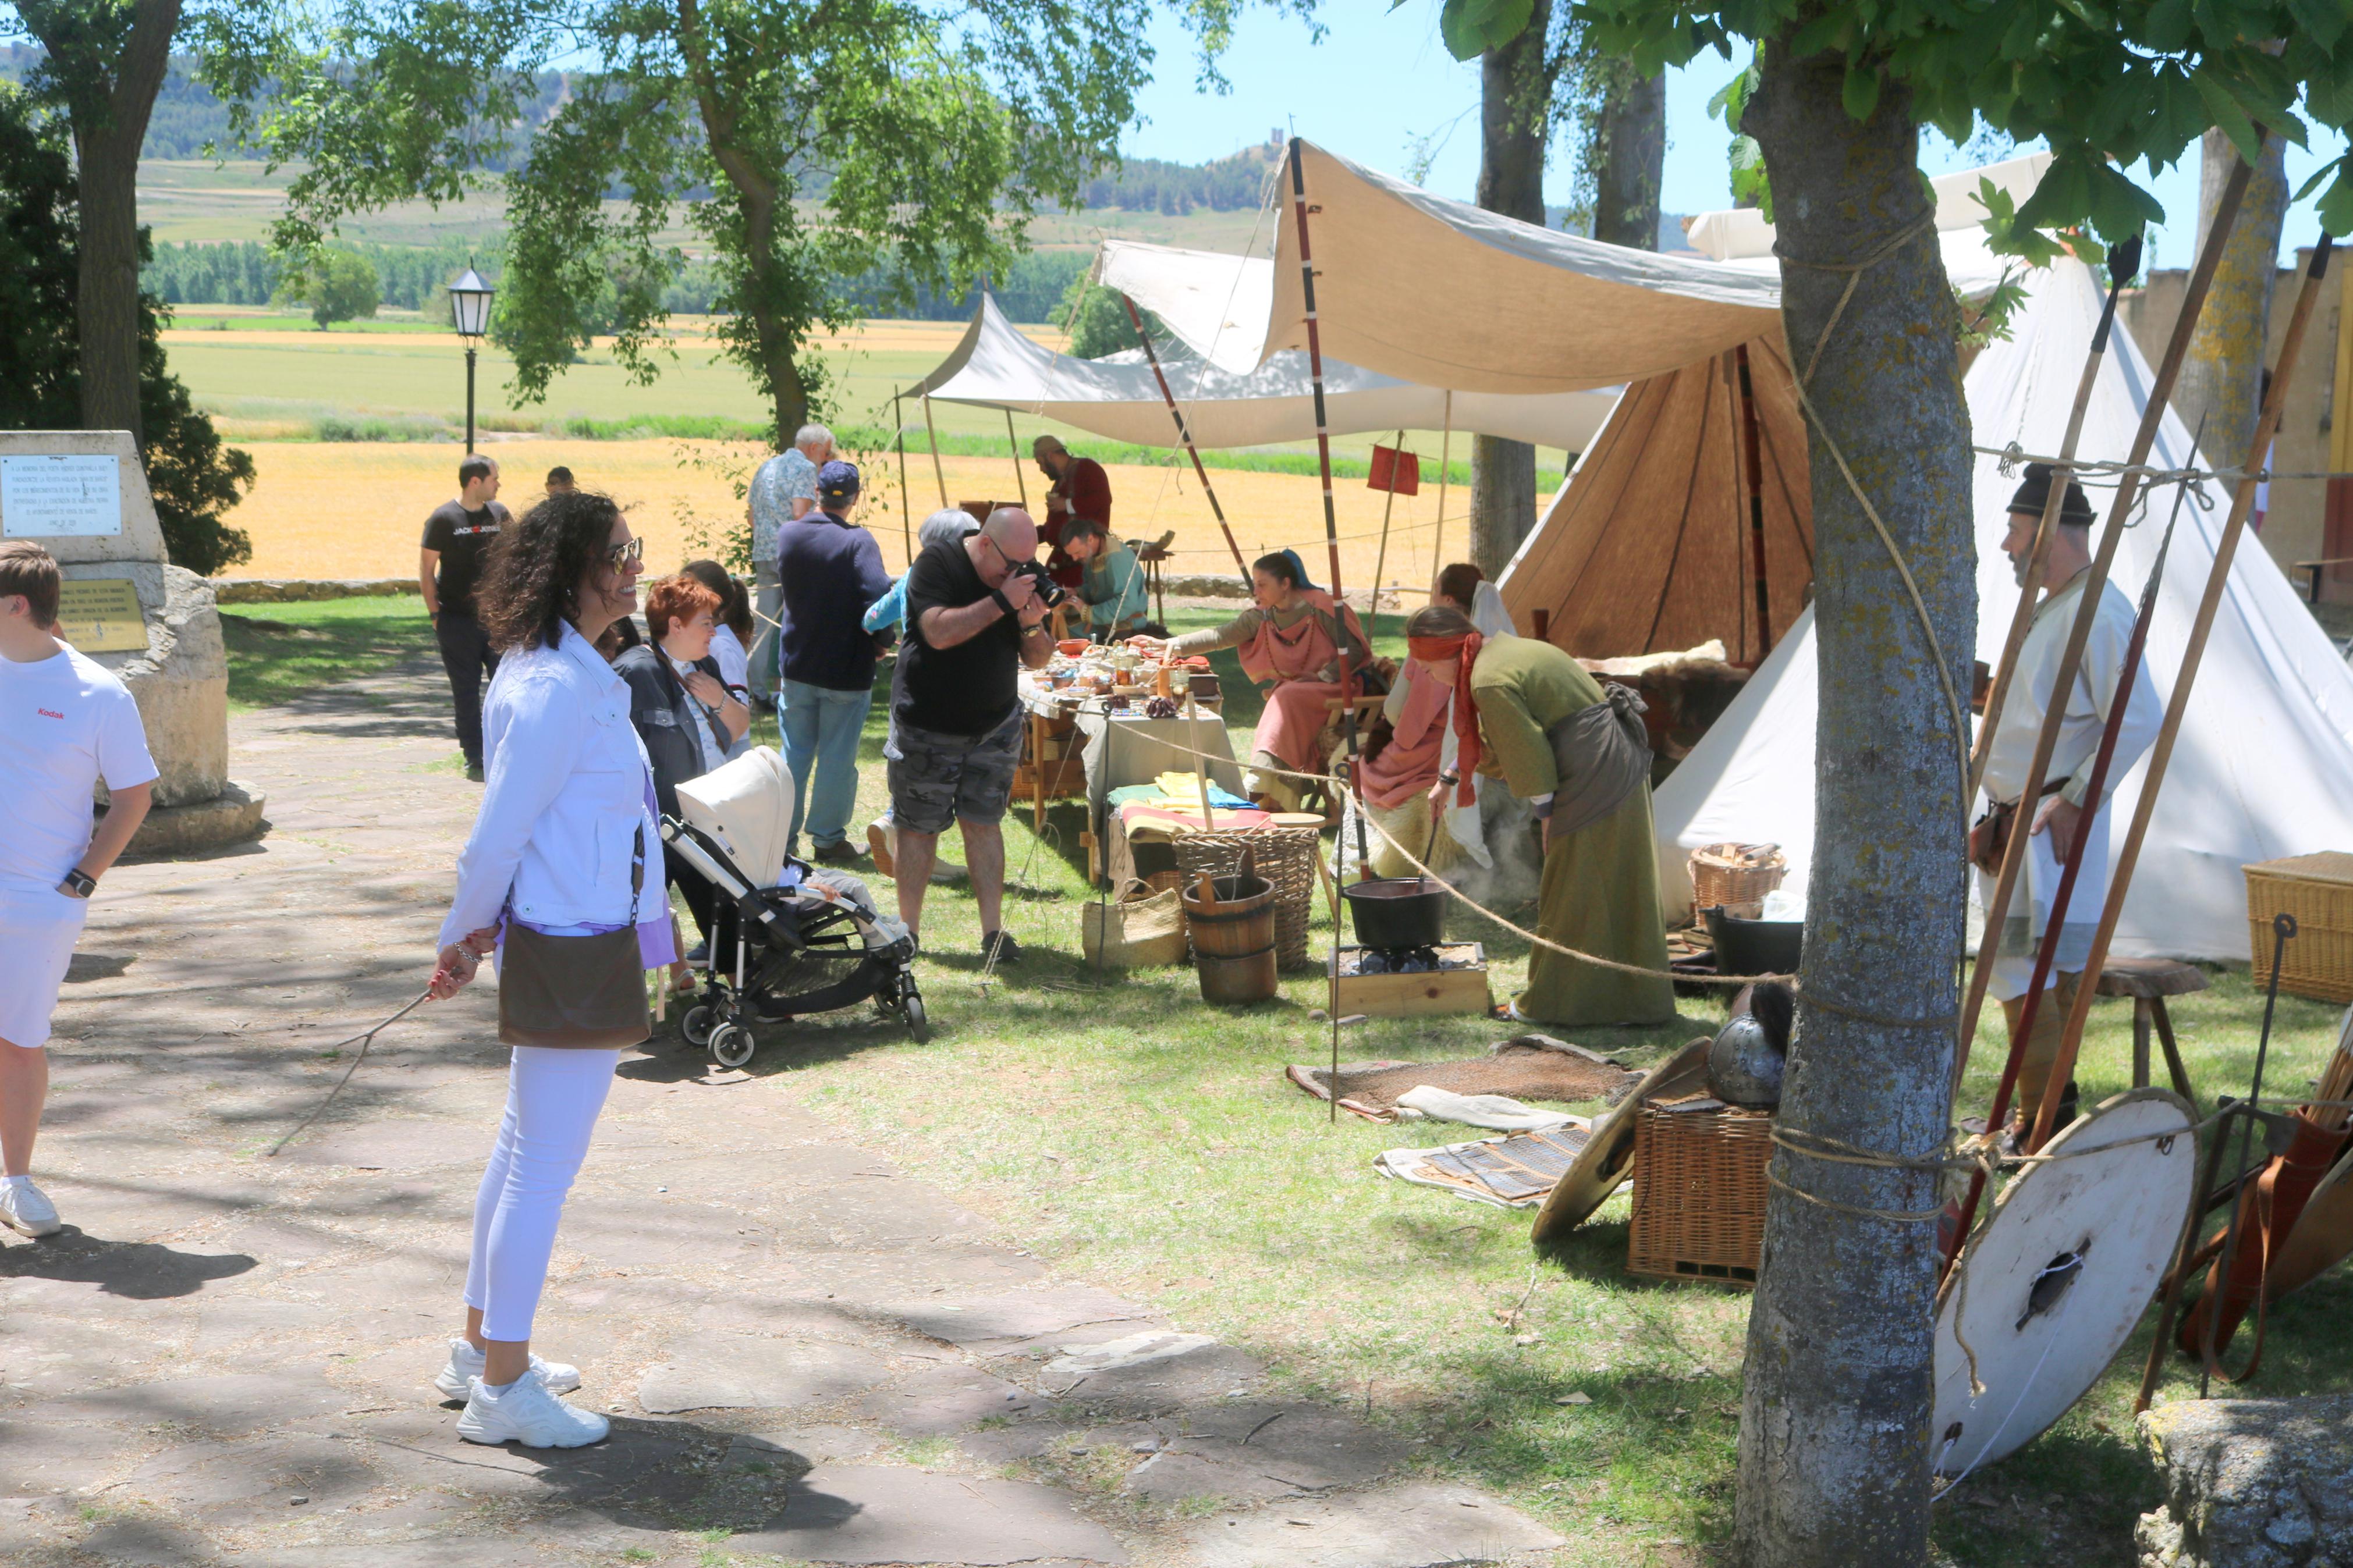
{"x":1744,"y":1063}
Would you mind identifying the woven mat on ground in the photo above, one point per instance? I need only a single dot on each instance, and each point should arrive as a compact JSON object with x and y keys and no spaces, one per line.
{"x":1522,"y":1071}
{"x":1510,"y":1173}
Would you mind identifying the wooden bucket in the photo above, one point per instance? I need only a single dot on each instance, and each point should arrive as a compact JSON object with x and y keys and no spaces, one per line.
{"x":1233,"y":938}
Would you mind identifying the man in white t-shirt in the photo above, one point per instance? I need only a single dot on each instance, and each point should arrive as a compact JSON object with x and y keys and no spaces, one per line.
{"x":65,"y":724}
{"x":783,"y":491}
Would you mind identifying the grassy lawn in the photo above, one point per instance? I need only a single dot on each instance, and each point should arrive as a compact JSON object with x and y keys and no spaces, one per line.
{"x":1146,"y":1143}
{"x":280,"y":652}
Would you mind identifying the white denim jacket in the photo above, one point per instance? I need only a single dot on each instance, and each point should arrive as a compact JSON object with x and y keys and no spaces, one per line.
{"x":568,"y":781}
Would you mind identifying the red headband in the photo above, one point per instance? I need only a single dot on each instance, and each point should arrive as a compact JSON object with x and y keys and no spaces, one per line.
{"x":1465,"y":650}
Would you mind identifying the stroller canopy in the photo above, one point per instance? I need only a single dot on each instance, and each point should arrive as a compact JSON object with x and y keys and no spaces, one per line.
{"x":747,"y":805}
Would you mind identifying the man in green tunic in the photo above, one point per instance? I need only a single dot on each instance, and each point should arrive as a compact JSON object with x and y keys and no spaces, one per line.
{"x":1542,"y":724}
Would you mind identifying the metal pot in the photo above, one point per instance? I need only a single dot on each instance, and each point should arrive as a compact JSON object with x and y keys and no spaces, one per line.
{"x":1397,"y":911}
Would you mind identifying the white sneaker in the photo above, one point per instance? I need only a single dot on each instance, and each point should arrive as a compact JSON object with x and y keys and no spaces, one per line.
{"x":466,"y":1364}
{"x":23,"y":1206}
{"x":525,"y":1412}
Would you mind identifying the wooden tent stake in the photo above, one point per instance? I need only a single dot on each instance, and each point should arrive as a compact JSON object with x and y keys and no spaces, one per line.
{"x":1382,"y":558}
{"x":1316,"y":379}
{"x":2124,"y":264}
{"x":2161,"y":754}
{"x":2014,"y":860}
{"x":1756,"y":474}
{"x":931,"y":431}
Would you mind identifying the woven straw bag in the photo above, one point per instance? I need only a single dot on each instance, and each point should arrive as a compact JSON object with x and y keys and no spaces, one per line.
{"x":1142,"y":929}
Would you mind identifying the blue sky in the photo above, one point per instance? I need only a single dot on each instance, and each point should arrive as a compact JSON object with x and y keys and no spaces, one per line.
{"x":1381,"y":81}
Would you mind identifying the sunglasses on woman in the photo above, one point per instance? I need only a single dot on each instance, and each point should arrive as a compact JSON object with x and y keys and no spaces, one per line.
{"x":626,"y":555}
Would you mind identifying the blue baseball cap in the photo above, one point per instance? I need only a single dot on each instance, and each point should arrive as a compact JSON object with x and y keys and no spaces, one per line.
{"x":836,"y":480}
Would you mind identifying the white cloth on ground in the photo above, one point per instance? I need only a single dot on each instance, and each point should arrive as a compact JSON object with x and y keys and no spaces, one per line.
{"x":554,"y":1097}
{"x":1500,"y":1111}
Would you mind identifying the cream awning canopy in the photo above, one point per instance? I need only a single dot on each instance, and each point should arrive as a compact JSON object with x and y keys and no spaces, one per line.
{"x":996,"y":367}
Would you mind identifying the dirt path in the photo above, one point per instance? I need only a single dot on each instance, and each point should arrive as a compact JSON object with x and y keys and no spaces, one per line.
{"x":809,"y":1357}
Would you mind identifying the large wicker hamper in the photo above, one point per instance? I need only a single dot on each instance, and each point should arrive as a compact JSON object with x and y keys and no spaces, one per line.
{"x":1698,"y":1191}
{"x":2317,"y":889}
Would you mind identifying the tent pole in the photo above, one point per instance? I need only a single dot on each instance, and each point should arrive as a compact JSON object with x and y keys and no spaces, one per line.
{"x":2161,"y":754}
{"x":906,"y":524}
{"x":1382,"y":558}
{"x":1185,"y":436}
{"x":1445,"y":454}
{"x":2014,"y":860}
{"x":2023,"y":616}
{"x":1756,"y":469}
{"x":933,"y":432}
{"x":1315,"y":369}
{"x":1013,"y":445}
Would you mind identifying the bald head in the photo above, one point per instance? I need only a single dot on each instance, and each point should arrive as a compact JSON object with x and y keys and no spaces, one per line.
{"x":1008,"y":536}
{"x":1045,"y":444}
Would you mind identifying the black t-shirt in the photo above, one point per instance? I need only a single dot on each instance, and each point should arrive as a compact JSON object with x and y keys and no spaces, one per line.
{"x":464,"y":538}
{"x":967,"y":689}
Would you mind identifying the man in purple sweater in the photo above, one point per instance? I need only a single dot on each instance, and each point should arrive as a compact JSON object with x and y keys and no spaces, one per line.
{"x":832,"y":571}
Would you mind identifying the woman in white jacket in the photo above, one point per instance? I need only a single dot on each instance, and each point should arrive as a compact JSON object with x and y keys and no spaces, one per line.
{"x":554,"y":878}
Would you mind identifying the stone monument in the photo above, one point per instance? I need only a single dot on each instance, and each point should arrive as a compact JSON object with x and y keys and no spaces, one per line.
{"x":82,"y":495}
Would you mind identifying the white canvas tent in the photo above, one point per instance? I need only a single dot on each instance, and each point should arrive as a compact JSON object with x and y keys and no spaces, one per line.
{"x":996,"y":367}
{"x":2264,"y":763}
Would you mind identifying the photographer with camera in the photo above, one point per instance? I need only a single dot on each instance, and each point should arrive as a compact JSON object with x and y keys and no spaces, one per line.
{"x":975,"y":612}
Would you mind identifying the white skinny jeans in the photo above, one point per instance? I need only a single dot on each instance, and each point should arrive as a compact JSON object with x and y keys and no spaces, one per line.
{"x":554,"y":1097}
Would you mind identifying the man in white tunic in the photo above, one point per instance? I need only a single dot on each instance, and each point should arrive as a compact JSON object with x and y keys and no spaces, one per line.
{"x":2056,"y":820}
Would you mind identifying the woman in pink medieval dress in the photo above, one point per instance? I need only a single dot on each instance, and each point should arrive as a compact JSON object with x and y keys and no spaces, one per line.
{"x":1291,"y":641}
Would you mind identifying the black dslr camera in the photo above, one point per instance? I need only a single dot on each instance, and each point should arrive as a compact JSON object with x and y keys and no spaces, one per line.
{"x":1050,"y":593}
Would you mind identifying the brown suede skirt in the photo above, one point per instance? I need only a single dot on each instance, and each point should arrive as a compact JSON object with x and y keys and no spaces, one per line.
{"x":587,"y":993}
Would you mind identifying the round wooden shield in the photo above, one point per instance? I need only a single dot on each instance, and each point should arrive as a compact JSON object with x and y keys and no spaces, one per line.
{"x":2059,"y":1277}
{"x":1607,"y":1157}
{"x":2322,"y":1237}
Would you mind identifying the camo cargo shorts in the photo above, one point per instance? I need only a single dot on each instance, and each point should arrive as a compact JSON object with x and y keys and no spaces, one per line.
{"x":937,"y":779}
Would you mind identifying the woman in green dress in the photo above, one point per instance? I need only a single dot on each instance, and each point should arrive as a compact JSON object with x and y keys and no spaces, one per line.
{"x":1528,"y":713}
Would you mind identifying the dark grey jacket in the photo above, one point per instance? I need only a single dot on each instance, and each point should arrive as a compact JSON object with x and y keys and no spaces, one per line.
{"x":662,"y":709}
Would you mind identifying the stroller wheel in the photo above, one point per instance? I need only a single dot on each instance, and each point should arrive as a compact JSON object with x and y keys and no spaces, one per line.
{"x":919,"y":1024}
{"x":732,"y":1045}
{"x":696,"y":1025}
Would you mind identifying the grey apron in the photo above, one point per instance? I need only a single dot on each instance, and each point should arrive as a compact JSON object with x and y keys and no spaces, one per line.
{"x":1603,"y":755}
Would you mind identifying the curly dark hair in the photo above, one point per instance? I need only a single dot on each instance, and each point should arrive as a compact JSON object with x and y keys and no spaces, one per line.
{"x":530,"y":583}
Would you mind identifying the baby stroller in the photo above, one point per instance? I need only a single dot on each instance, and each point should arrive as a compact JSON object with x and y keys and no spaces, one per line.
{"x":789,"y":938}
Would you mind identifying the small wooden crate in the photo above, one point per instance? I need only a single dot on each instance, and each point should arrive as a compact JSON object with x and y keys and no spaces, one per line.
{"x":2317,"y":889}
{"x":1698,"y":1191}
{"x":1439,"y":991}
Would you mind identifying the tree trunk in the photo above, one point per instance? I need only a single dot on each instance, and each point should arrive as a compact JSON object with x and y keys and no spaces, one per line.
{"x":108,"y":103}
{"x":1634,"y":158}
{"x":2223,"y":377}
{"x":1834,"y":1445}
{"x":1515,"y":93}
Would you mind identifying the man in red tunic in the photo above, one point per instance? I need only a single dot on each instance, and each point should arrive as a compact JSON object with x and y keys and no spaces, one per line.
{"x":1079,"y":488}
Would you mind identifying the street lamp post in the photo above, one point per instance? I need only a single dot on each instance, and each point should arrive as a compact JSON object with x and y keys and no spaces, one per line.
{"x":470,"y":308}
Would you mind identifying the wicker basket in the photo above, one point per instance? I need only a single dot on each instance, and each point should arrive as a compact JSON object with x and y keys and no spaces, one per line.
{"x":1283,"y":856}
{"x":1698,"y":1191}
{"x":1736,"y":876}
{"x":2317,"y":889}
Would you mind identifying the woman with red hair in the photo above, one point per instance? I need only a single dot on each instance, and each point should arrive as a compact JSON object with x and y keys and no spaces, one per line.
{"x":1526,"y":712}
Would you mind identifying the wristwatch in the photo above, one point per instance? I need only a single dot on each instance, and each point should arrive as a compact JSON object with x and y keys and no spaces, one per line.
{"x":81,"y":882}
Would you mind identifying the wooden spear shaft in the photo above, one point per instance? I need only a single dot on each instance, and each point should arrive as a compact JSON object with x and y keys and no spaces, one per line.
{"x":2014,"y":860}
{"x":1445,"y":457}
{"x":1013,"y":445}
{"x":1382,"y":560}
{"x":2161,"y":754}
{"x":2062,"y":471}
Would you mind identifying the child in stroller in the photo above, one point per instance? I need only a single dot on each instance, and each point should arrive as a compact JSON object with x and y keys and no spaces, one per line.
{"x":788,"y":938}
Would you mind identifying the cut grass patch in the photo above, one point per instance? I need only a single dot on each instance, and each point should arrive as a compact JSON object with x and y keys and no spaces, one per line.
{"x":279,"y":653}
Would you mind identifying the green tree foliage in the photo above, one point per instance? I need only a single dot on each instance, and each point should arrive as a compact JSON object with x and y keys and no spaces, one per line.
{"x":1096,"y":319}
{"x":808,"y":142}
{"x":336,"y":284}
{"x":193,"y":477}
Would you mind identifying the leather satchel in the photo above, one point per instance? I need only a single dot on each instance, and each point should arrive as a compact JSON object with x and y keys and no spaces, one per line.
{"x":583,"y":993}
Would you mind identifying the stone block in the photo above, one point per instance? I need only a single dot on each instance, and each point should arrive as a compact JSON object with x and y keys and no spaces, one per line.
{"x":232,"y":816}
{"x":865,"y":1513}
{"x":180,"y":683}
{"x":2251,"y":1483}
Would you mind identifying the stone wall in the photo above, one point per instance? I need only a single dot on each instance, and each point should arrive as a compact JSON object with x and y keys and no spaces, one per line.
{"x":2251,"y":1483}
{"x":295,"y":590}
{"x":180,"y":683}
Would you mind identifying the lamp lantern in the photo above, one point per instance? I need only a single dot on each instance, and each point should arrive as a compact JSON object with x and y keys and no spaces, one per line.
{"x":469,"y":311}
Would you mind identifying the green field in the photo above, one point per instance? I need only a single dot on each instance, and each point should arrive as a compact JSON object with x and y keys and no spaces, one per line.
{"x":206,"y":203}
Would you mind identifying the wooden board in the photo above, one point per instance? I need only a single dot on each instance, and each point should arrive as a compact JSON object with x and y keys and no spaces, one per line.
{"x":1438,"y":992}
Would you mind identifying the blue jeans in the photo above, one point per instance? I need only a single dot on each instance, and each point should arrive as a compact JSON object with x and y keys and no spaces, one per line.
{"x":820,"y":728}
